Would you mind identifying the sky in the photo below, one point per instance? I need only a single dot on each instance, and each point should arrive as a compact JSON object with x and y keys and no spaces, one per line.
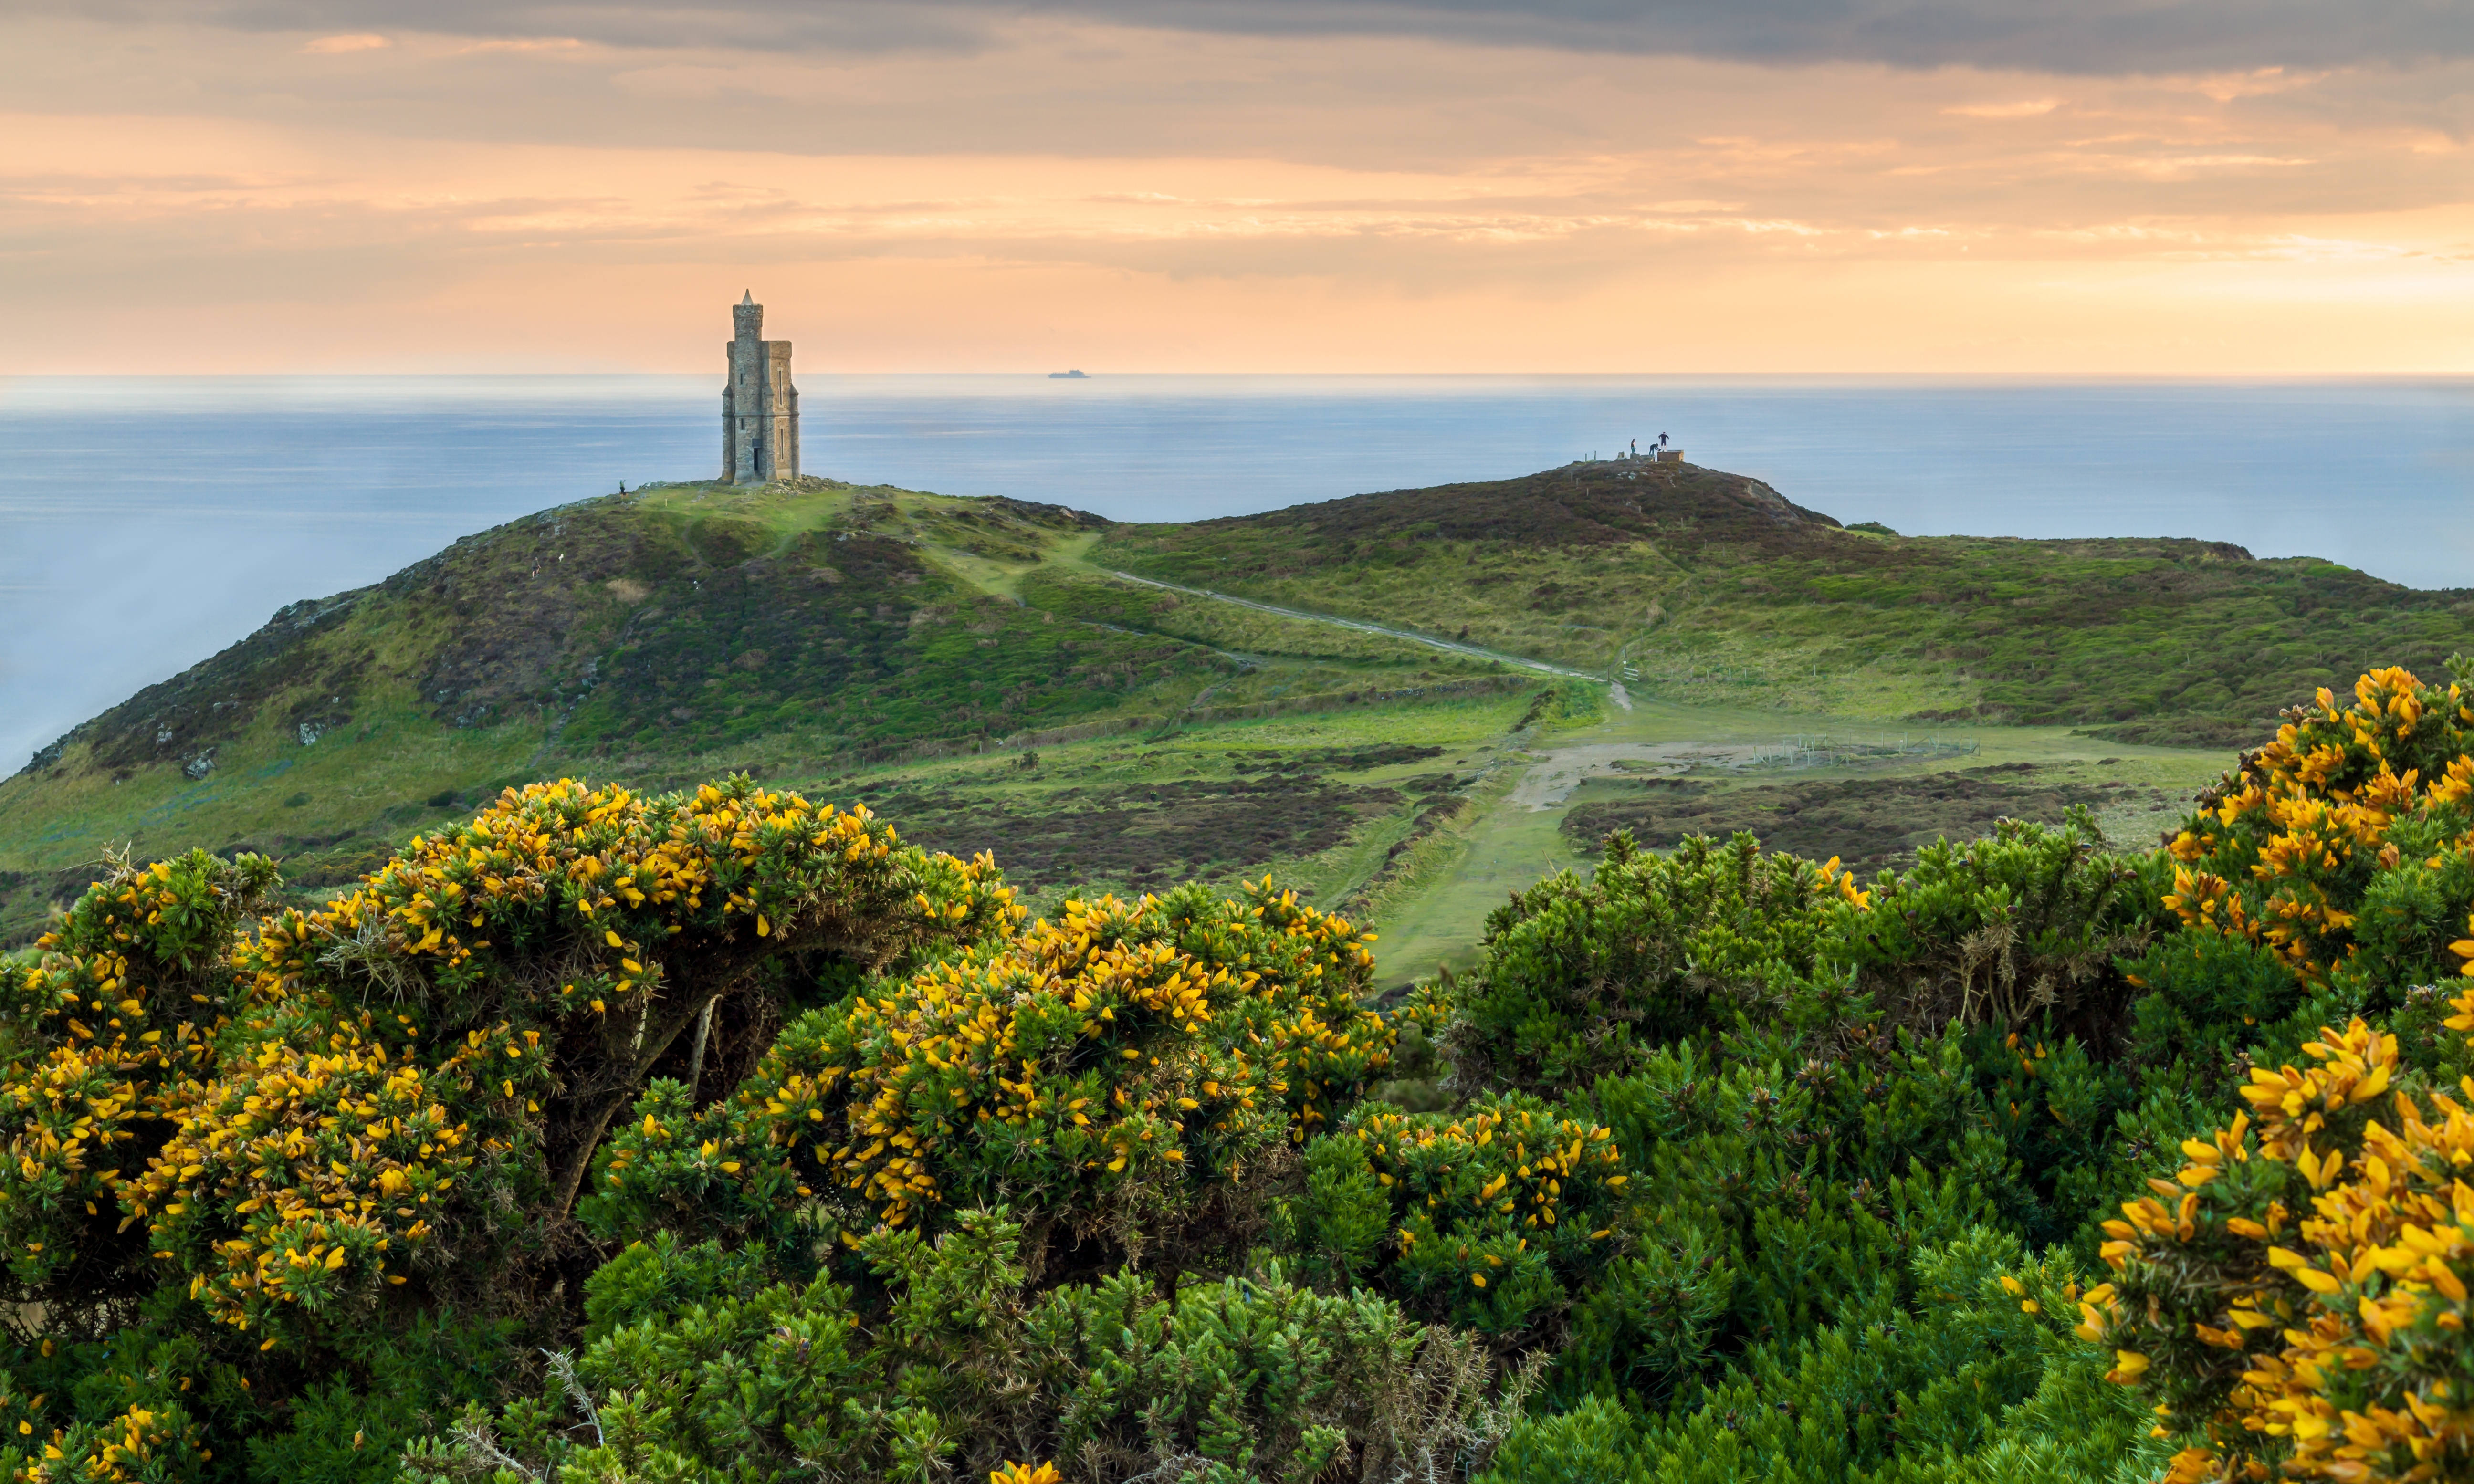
{"x":2206,"y":187}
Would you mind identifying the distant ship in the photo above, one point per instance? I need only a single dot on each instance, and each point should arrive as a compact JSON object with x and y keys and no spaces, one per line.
{"x":1067,"y":376}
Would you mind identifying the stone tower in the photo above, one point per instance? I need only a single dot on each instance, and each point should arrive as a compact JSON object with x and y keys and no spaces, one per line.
{"x":760,"y":407}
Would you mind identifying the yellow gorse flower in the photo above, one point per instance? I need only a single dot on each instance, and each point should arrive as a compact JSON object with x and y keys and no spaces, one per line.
{"x":1140,"y":1053}
{"x":2366,"y":1282}
{"x":141,"y":1442}
{"x":2275,"y":851}
{"x":324,"y":1088}
{"x":2344,"y":1304}
{"x":1842,"y":881}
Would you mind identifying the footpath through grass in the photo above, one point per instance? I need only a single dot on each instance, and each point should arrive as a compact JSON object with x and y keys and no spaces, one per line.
{"x":683,"y":632}
{"x":1698,"y":583}
{"x":1549,"y":794}
{"x":838,"y":634}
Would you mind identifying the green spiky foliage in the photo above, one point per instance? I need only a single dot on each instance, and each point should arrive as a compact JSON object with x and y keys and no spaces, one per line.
{"x":1128,"y":1077}
{"x":695,"y":1367}
{"x":1749,"y":1170}
{"x":1584,"y":979}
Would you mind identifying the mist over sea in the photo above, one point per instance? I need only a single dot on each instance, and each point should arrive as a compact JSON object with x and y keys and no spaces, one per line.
{"x":145,"y":522}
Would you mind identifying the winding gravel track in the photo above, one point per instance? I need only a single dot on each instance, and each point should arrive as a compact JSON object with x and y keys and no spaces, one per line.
{"x":1365,"y":628}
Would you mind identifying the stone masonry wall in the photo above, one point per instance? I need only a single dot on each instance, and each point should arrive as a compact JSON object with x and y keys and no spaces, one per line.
{"x":760,"y":407}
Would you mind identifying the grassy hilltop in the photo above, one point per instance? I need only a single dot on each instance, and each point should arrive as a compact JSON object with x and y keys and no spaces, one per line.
{"x":811,"y":630}
{"x":716,"y":1136}
{"x":1715,"y":587}
{"x":692,"y":1125}
{"x":980,"y":666}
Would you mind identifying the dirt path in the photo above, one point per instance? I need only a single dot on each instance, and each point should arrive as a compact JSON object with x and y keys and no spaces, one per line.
{"x":1515,"y":837}
{"x":1365,"y":628}
{"x":1551,"y":780}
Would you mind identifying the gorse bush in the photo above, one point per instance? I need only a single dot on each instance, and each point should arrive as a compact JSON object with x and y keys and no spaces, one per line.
{"x":105,"y":1040}
{"x":1488,"y":1220}
{"x":2298,"y":1289}
{"x":966,"y":1367}
{"x":1132,"y":1072}
{"x":719,"y":1137}
{"x":2022,"y":927}
{"x":328,"y":1125}
{"x":399,"y":1043}
{"x":2295,"y":1293}
{"x":1583,"y":978}
{"x":2295,"y":851}
{"x":1978,"y":1381}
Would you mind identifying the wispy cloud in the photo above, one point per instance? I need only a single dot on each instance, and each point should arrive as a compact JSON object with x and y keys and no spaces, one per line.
{"x":2029,"y":107}
{"x":2260,"y":81}
{"x":2093,"y":38}
{"x":529,"y":188}
{"x":522,"y":44}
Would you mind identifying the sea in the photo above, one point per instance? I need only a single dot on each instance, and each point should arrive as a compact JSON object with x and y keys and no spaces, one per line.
{"x":146,"y":523}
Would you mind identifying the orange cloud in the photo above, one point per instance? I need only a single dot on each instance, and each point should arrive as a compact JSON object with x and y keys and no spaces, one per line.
{"x":1151,"y":200}
{"x":523,"y":44}
{"x":2029,"y":107}
{"x":329,"y":46}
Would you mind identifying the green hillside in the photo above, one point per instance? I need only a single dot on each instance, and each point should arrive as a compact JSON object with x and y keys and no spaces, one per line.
{"x":807,"y":631}
{"x":981,"y":664}
{"x":1517,"y":1117}
{"x":719,"y":1136}
{"x":1711,"y":587}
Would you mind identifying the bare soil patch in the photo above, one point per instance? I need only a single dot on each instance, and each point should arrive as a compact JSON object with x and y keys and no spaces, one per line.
{"x":1149,"y":836}
{"x":1869,"y":821}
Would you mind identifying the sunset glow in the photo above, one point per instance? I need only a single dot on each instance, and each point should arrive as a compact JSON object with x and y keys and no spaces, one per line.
{"x":186,"y":195}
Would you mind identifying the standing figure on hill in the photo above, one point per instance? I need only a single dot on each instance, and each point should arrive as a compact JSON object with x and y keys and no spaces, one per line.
{"x":760,"y":407}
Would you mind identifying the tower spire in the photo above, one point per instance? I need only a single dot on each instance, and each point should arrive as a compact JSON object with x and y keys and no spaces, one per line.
{"x":760,"y":407}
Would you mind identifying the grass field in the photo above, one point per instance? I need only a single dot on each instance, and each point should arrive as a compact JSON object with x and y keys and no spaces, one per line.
{"x":1694,"y":584}
{"x":971,"y":667}
{"x":1518,"y":833}
{"x":679,"y":633}
{"x":1321,"y":796}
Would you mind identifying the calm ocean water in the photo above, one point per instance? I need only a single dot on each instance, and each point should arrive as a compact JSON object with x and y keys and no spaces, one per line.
{"x":147,"y":522}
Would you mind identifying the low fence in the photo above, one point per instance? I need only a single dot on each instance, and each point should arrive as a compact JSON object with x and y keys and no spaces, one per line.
{"x":1824,"y":751}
